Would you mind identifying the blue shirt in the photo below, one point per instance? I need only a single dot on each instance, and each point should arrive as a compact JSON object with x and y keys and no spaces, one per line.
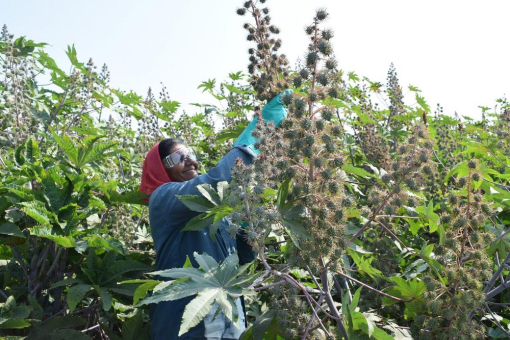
{"x":168,"y":216}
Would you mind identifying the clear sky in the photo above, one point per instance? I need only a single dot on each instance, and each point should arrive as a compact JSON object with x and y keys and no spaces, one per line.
{"x":456,"y":52}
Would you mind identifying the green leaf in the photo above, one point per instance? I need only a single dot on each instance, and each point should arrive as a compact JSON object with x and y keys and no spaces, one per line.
{"x":37,"y":311}
{"x":131,"y":197}
{"x":169,"y":106}
{"x":460,"y":169}
{"x":33,"y":152}
{"x":212,"y":282}
{"x":222,"y":188}
{"x":38,"y":212}
{"x":14,"y":323}
{"x":429,"y":213}
{"x":9,"y":228}
{"x":64,"y":241}
{"x":421,"y":101}
{"x":172,"y":291}
{"x":228,"y":306}
{"x":355,"y":299}
{"x":65,"y":282}
{"x":100,"y":241}
{"x":209,"y":193}
{"x":295,"y":228}
{"x":228,"y":134}
{"x":197,"y":309}
{"x":142,"y":290}
{"x":121,"y":267}
{"x":75,"y":294}
{"x":265,"y":326}
{"x":199,"y":222}
{"x":67,"y":146}
{"x":106,"y":298}
{"x":132,"y":329}
{"x":350,"y":169}
{"x":195,"y":203}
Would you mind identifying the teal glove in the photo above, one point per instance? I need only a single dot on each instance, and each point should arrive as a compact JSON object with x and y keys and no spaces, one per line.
{"x":274,"y":111}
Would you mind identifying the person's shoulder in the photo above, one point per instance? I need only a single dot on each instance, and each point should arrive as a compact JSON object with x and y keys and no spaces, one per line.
{"x":162,"y":191}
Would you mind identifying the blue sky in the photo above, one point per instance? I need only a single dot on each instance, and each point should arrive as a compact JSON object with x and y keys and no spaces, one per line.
{"x":456,"y":52}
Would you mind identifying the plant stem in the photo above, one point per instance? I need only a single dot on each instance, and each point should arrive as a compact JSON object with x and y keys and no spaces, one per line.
{"x":331,"y":303}
{"x":309,"y":325}
{"x":372,"y":288}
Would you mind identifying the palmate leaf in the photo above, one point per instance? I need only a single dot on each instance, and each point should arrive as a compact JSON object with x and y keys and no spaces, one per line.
{"x":64,"y":241}
{"x":9,"y":228}
{"x":33,"y":152}
{"x":38,"y":212}
{"x":195,"y":203}
{"x":98,"y":151}
{"x":75,"y":294}
{"x":197,"y":309}
{"x":122,"y":267}
{"x":212,"y":283}
{"x":209,"y":193}
{"x":199,"y":222}
{"x":265,"y":327}
{"x":66,"y":144}
{"x":133,"y":328}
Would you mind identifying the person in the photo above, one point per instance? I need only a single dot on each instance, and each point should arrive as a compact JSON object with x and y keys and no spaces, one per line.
{"x":170,"y":169}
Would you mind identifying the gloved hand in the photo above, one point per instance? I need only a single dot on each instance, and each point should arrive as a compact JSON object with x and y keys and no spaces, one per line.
{"x":274,"y":111}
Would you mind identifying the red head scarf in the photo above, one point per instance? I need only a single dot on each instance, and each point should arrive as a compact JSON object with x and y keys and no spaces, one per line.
{"x":153,"y":172}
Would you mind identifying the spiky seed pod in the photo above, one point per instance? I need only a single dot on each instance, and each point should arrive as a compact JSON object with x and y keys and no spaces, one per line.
{"x":304,"y":73}
{"x":313,"y":97}
{"x":339,"y":216}
{"x":475,"y":176}
{"x":311,"y":58}
{"x":309,"y":139}
{"x":462,"y":181}
{"x":333,"y":92}
{"x":327,"y":34}
{"x":306,"y":124}
{"x":326,"y":174}
{"x":331,"y":64}
{"x":325,"y":47}
{"x":291,"y":172}
{"x":333,"y":187}
{"x":327,"y":114}
{"x":423,"y":157}
{"x":319,"y":125}
{"x":241,"y":11}
{"x":287,"y":99}
{"x":336,"y":131}
{"x":485,"y":209}
{"x":472,"y":164}
{"x":309,"y":30}
{"x":299,"y":104}
{"x":323,"y":79}
{"x":337,"y":162}
{"x":321,"y":14}
{"x":297,"y":82}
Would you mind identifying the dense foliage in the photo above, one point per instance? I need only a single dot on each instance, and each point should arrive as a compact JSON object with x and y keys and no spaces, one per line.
{"x":372,"y":216}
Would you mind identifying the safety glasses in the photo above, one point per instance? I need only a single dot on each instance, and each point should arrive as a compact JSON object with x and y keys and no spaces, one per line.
{"x":180,"y":155}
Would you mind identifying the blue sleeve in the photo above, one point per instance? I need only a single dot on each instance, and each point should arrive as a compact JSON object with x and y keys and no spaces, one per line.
{"x":221,"y":172}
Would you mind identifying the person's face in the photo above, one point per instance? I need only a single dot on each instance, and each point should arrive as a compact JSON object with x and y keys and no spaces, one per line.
{"x":185,"y":170}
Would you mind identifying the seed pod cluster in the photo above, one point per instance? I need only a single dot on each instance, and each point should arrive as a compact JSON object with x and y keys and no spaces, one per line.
{"x":268,"y":68}
{"x":451,"y":301}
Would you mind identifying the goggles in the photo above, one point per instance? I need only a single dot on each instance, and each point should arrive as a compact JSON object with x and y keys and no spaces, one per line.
{"x":178,"y":156}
